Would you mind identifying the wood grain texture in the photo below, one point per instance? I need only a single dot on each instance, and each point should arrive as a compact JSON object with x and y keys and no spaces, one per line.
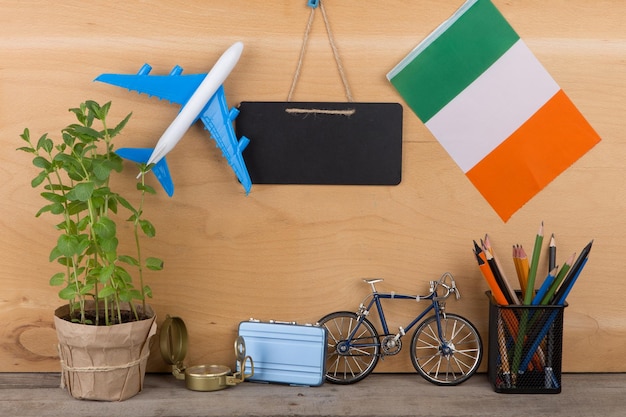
{"x":583,"y":395}
{"x":299,"y":252}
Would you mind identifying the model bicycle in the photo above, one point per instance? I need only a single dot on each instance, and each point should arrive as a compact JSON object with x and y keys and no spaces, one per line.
{"x":446,"y":348}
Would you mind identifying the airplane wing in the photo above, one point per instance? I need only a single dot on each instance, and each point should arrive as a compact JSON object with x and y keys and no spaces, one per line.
{"x":175,"y":87}
{"x":218,"y":120}
{"x":160,"y":169}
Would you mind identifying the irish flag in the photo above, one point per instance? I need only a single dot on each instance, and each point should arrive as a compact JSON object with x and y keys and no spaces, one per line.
{"x":493,"y":106}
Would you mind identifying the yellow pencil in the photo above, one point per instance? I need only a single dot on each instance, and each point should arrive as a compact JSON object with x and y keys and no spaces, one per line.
{"x":516,"y":262}
{"x":524,"y":267}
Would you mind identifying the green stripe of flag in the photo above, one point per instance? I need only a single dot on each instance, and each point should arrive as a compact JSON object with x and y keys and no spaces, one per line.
{"x":430,"y":78}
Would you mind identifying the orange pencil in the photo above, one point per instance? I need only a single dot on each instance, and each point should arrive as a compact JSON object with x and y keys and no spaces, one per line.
{"x":496,"y":292}
{"x":507,"y":285}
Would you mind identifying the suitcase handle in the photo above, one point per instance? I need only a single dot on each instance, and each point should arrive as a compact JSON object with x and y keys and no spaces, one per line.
{"x":283,"y":322}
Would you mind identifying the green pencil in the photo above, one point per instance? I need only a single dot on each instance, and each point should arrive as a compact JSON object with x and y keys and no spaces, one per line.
{"x":528,"y":298}
{"x":557,"y":281}
{"x":532,"y":272}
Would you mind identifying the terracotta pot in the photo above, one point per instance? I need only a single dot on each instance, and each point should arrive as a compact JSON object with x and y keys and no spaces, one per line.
{"x":106,"y":363}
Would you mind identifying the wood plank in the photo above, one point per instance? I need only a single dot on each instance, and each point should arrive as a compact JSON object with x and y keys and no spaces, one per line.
{"x":583,"y":395}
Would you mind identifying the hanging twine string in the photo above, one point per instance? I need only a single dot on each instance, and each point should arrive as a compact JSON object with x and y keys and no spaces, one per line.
{"x":333,"y":46}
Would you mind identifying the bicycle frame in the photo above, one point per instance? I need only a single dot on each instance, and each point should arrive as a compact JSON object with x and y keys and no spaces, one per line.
{"x":376,"y":300}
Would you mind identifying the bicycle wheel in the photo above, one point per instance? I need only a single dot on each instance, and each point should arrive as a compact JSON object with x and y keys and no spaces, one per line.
{"x":349,"y":361}
{"x":449,"y":362}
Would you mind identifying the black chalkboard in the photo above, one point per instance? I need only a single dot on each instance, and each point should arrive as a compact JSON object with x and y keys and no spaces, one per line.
{"x":322,"y":143}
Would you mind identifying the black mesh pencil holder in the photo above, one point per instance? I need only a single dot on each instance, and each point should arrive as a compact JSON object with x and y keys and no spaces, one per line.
{"x":525,"y":348}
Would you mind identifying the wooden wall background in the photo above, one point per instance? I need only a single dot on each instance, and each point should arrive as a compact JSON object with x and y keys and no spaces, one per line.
{"x":299,"y":252}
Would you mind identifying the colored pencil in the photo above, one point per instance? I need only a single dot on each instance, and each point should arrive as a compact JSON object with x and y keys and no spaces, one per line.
{"x":551,"y":253}
{"x":558,"y":279}
{"x":504,"y":356}
{"x":516,"y":262}
{"x":536,"y":339}
{"x":543,"y":290}
{"x":532,"y":272}
{"x":507,"y":285}
{"x":530,"y":289}
{"x":496,"y":292}
{"x":572,"y":275}
{"x":523,"y":262}
{"x":491,"y":262}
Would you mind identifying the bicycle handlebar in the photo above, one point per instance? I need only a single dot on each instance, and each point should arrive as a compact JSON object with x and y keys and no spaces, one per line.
{"x":446,"y":281}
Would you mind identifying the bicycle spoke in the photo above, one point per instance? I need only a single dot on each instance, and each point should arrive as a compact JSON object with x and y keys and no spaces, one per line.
{"x":350,"y":360}
{"x":449,"y":358}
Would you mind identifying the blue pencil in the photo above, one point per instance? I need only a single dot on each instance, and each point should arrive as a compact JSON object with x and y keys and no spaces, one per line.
{"x":546,"y":327}
{"x":543,"y":290}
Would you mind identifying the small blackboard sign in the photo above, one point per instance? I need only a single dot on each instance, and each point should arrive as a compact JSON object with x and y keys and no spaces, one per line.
{"x":322,"y":143}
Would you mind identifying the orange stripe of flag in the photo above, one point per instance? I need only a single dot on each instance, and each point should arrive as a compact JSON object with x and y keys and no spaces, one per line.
{"x":536,"y":153}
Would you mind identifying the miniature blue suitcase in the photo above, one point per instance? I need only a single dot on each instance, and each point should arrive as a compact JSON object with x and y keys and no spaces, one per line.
{"x":285,"y":353}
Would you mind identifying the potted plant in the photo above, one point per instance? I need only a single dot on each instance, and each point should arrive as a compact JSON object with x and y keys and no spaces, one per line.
{"x":105,"y":326}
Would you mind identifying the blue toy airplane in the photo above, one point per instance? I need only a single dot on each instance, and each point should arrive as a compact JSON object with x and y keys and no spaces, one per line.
{"x":201,"y":97}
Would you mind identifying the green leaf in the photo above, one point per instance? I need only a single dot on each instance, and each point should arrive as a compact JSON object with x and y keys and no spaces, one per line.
{"x":26,"y":149}
{"x":128,"y":295}
{"x":128,"y":260}
{"x":44,"y":209}
{"x":79,"y":112}
{"x":123,"y":275}
{"x":67,"y":245}
{"x":39,"y":179}
{"x":76,"y":207}
{"x":147,"y":291}
{"x":104,"y":228}
{"x":99,"y":112}
{"x":67,"y":293}
{"x":125,"y":203}
{"x":57,"y":279}
{"x":54,"y":254}
{"x":147,"y":228}
{"x":53,"y":197}
{"x":146,"y":188}
{"x":81,"y":191}
{"x":83,"y":243}
{"x":102,"y":169}
{"x":109,"y":247}
{"x":41,"y":162}
{"x":45,"y":143}
{"x":85,"y":289}
{"x":68,"y":139}
{"x":154,"y":264}
{"x":115,"y":131}
{"x":106,"y":292}
{"x":84,"y":133}
{"x":106,"y":273}
{"x":26,"y":135}
{"x":57,"y":187}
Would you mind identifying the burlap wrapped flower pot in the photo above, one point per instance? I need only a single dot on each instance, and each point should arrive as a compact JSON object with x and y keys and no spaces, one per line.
{"x":106,"y":363}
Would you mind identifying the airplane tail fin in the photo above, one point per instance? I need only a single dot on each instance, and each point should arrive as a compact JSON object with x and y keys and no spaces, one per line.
{"x":160,"y":169}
